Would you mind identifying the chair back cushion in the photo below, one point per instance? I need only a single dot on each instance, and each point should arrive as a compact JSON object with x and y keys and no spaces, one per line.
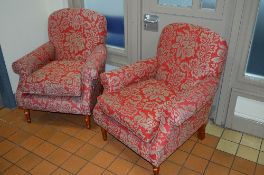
{"x":75,"y":32}
{"x":188,"y":53}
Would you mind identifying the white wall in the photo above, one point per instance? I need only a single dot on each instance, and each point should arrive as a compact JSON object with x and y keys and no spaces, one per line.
{"x":23,"y":27}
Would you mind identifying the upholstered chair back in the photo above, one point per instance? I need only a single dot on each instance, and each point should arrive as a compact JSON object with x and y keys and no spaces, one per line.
{"x":187,"y":54}
{"x":75,"y":32}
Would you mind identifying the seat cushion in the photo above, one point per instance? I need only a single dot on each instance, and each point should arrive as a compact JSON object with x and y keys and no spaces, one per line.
{"x":136,"y":106}
{"x":58,"y":78}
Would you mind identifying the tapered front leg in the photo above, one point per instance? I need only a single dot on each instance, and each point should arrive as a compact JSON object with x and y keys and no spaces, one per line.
{"x":27,"y":115}
{"x":104,"y":134}
{"x":87,"y":121}
{"x":201,"y":132}
{"x":156,"y":170}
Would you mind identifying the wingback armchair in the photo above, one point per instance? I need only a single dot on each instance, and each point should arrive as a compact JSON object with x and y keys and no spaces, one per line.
{"x":62,"y":75}
{"x":153,"y":106}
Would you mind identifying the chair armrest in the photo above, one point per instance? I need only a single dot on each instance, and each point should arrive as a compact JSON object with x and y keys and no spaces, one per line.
{"x":191,"y":101}
{"x":34,"y":60}
{"x":119,"y":78}
{"x":95,"y":63}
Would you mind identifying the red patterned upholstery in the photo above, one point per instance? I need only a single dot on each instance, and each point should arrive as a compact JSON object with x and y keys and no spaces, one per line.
{"x":63,"y":74}
{"x":155,"y":105}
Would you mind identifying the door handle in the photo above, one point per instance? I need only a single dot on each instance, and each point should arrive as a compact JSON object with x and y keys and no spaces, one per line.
{"x":151,"y":22}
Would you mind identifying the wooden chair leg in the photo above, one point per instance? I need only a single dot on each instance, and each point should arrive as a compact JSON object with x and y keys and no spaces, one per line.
{"x":156,"y":170}
{"x":87,"y":121}
{"x":104,"y":134}
{"x":201,"y":132}
{"x":27,"y":115}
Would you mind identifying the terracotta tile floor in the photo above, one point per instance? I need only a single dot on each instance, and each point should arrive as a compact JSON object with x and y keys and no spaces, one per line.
{"x":58,"y":144}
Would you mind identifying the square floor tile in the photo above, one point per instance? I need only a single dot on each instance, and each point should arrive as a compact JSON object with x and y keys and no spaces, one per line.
{"x":259,"y":170}
{"x":60,"y":171}
{"x":244,"y":166}
{"x":203,"y":151}
{"x":247,"y":153}
{"x":19,"y":137}
{"x":129,"y":155}
{"x":187,"y":146}
{"x":14,"y":170}
{"x":58,"y":138}
{"x":43,"y":168}
{"x":234,"y":172}
{"x":227,"y":146}
{"x":73,"y":164}
{"x":185,"y":171}
{"x":72,"y":144}
{"x":145,"y":164}
{"x":120,"y":166}
{"x":251,"y":141}
{"x":45,"y":133}
{"x":29,"y":161}
{"x":169,"y":168}
{"x":92,"y":169}
{"x":210,"y":140}
{"x":106,"y":172}
{"x":178,"y":157}
{"x":4,"y":164}
{"x":196,"y":163}
{"x":262,"y":145}
{"x":137,"y":170}
{"x":232,"y":135}
{"x":98,"y":141}
{"x":216,"y":169}
{"x":45,"y":149}
{"x":87,"y":151}
{"x":115,"y":147}
{"x":85,"y":134}
{"x":5,"y":146}
{"x":59,"y":156}
{"x":214,"y":130}
{"x":223,"y":158}
{"x":31,"y":143}
{"x":103,"y":159}
{"x":15,"y":154}
{"x":261,"y":158}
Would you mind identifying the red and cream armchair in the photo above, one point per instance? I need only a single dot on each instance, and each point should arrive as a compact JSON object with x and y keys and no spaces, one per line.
{"x":153,"y":106}
{"x":62,"y":75}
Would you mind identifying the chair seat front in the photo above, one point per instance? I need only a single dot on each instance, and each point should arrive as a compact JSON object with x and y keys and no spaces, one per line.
{"x":137,"y":106}
{"x":59,"y":78}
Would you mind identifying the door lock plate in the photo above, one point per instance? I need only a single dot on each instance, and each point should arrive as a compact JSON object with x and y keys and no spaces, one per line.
{"x":151,"y":22}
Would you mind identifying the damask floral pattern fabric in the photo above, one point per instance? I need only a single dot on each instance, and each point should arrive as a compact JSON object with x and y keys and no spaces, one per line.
{"x":75,"y":32}
{"x":154,"y":112}
{"x":63,"y":74}
{"x":136,"y":106}
{"x":59,"y":78}
{"x":119,"y":78}
{"x":188,"y":53}
{"x":34,"y":60}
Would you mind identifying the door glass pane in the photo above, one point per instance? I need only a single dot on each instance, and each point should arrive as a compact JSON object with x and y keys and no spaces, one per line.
{"x":176,"y":3}
{"x":114,"y":13}
{"x":255,"y":65}
{"x":208,"y":4}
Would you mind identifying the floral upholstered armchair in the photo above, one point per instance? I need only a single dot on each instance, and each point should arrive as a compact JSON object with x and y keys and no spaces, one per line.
{"x":153,"y":106}
{"x":62,"y":75}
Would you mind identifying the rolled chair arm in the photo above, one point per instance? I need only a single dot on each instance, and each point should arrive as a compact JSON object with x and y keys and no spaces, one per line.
{"x":34,"y":60}
{"x":119,"y":78}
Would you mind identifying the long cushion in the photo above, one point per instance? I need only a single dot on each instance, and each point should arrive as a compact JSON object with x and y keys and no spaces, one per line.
{"x":136,"y":106}
{"x":59,"y":78}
